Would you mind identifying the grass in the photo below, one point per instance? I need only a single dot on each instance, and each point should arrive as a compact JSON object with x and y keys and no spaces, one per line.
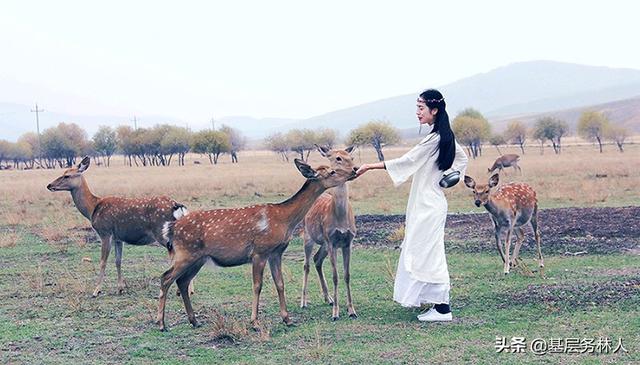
{"x":49,"y":262}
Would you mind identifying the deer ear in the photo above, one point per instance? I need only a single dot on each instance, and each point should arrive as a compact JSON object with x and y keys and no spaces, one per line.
{"x":84,"y":164}
{"x":493,"y":180}
{"x":350,"y":149}
{"x":469,"y":182}
{"x":306,"y":170}
{"x":323,"y":150}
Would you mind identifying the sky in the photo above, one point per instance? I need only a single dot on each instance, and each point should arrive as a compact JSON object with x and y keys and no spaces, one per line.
{"x":197,"y":60}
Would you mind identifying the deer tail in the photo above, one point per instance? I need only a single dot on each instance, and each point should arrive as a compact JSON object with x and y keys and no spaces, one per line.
{"x":167,"y":235}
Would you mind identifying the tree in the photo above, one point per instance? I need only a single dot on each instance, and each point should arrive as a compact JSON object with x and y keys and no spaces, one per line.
{"x":278,"y":143}
{"x":516,"y":133}
{"x":592,"y":125}
{"x":617,"y":134}
{"x":126,"y":143}
{"x":471,"y":131}
{"x":496,"y":140}
{"x":177,"y":140}
{"x":302,"y":142}
{"x":237,"y":141}
{"x":552,"y":129}
{"x":211,"y":143}
{"x":105,"y":143}
{"x":376,"y":133}
{"x":62,"y":144}
{"x":326,"y":137}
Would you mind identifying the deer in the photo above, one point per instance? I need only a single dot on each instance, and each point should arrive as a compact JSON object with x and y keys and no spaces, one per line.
{"x":512,"y":207}
{"x":136,"y":221}
{"x":251,"y":235}
{"x":504,"y":161}
{"x":330,"y":224}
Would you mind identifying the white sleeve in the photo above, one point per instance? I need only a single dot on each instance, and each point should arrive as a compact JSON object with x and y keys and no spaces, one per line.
{"x":460,"y":161}
{"x":401,"y":168}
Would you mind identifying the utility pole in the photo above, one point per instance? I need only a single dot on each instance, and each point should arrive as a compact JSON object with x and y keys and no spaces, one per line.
{"x":135,"y":123}
{"x":213,"y":124}
{"x":38,"y":111}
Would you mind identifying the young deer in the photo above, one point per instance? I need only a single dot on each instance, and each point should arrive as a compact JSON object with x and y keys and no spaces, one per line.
{"x":232,"y":237}
{"x":330,"y":223}
{"x":134,"y":221}
{"x":512,"y":206}
{"x":504,"y":161}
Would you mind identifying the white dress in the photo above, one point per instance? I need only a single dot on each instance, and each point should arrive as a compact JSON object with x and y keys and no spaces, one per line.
{"x":422,"y":275}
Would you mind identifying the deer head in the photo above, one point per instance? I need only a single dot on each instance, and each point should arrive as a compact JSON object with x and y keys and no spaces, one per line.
{"x":338,"y":158}
{"x":71,"y":178}
{"x":327,"y":176}
{"x":481,"y":192}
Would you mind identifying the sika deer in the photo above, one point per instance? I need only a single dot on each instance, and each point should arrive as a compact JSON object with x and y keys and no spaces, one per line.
{"x":504,"y":161}
{"x":512,"y":206}
{"x":232,"y":237}
{"x":330,"y":223}
{"x":137,"y":221}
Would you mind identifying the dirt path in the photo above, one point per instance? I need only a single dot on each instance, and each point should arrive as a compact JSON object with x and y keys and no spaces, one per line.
{"x":564,"y":231}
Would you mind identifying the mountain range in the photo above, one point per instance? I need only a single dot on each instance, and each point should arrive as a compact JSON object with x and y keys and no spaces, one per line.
{"x":523,"y":91}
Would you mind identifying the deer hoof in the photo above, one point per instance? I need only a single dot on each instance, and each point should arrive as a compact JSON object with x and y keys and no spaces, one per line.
{"x":196,"y":324}
{"x":96,"y":293}
{"x":353,"y":316}
{"x":287,"y":321}
{"x":335,"y":318}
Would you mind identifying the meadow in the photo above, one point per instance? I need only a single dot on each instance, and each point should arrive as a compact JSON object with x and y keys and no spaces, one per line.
{"x":49,"y":260}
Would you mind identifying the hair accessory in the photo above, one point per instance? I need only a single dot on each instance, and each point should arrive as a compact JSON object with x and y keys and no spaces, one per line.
{"x":420,"y":100}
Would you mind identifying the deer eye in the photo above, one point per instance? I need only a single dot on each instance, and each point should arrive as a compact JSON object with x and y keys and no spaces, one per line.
{"x":338,"y":158}
{"x":333,"y":172}
{"x":66,"y":176}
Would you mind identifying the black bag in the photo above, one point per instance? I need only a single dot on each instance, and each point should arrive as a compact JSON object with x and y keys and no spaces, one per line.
{"x":450,"y":179}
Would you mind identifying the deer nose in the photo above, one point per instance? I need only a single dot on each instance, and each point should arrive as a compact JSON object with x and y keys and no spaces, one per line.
{"x":477,"y":203}
{"x":49,"y":187}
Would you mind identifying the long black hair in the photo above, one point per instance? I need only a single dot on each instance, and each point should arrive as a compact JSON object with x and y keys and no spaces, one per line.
{"x":447,"y":145}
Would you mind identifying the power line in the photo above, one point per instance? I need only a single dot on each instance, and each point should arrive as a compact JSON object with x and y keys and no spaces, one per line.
{"x":135,"y":123}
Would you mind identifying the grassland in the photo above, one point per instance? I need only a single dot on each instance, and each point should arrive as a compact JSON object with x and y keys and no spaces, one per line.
{"x":49,"y":262}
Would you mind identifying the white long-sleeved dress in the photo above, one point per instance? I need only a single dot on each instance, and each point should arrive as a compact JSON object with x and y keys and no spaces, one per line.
{"x":422,"y":275}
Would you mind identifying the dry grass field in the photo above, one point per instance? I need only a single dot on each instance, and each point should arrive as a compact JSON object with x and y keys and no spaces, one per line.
{"x":49,"y":261}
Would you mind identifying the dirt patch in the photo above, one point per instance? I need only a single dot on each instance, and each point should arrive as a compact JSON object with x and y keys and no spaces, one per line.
{"x":562,"y":296}
{"x":563,"y":231}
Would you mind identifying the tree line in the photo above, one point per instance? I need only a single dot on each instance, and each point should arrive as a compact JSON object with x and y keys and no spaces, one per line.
{"x":59,"y":146}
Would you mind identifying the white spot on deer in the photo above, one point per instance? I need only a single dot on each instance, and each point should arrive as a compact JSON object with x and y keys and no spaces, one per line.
{"x":263,"y":222}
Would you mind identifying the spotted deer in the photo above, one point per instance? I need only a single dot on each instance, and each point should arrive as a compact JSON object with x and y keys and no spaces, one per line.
{"x":233,"y":237}
{"x":504,"y":161}
{"x":330,"y":224}
{"x":136,"y":221}
{"x":512,"y":207}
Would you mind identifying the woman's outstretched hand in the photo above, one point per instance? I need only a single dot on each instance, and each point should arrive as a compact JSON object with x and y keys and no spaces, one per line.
{"x":363,"y":168}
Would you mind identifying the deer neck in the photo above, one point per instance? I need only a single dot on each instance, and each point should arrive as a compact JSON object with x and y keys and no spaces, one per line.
{"x":295,"y":208}
{"x":84,"y":199}
{"x":491,"y":206}
{"x":340,"y":196}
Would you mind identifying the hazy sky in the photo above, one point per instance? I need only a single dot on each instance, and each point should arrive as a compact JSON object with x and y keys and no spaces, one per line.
{"x":194,"y":60}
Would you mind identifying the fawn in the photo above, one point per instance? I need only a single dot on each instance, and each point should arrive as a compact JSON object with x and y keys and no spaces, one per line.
{"x":330,"y":223}
{"x":512,"y":207}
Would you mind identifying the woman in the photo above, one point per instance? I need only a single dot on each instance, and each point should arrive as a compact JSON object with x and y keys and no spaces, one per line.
{"x":422,"y":275}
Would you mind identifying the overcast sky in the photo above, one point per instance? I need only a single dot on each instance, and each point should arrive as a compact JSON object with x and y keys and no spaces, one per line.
{"x":194,"y":60}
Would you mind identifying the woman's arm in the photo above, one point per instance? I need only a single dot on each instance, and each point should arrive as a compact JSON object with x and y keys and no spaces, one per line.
{"x":370,"y":166}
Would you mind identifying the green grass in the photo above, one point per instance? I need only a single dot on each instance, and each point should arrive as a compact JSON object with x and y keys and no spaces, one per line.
{"x":48,"y":316}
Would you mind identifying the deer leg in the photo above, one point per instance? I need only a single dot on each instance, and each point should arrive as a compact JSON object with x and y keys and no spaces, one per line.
{"x":346,"y":260}
{"x":308,"y":249}
{"x":333,"y":256}
{"x":536,"y":232}
{"x":258,"y":271}
{"x":275,"y":265}
{"x":184,"y":284}
{"x":498,"y":233}
{"x":507,"y":249}
{"x":104,"y":255}
{"x":121,"y":283}
{"x":516,"y":250}
{"x":174,"y":273}
{"x":318,"y":259}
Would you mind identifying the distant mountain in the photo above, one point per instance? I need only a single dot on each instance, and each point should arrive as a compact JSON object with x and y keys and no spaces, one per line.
{"x":625,"y":113}
{"x":519,"y":89}
{"x":526,"y":87}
